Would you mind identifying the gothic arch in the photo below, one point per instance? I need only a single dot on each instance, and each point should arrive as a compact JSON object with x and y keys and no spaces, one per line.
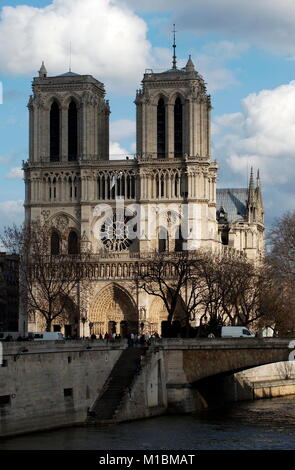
{"x":113,"y":307}
{"x":72,"y":222}
{"x":174,"y":95}
{"x":51,"y":99}
{"x":161,"y":94}
{"x":71,"y":97}
{"x":64,"y":224}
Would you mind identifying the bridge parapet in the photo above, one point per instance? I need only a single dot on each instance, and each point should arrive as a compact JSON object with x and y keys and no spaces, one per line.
{"x":221,"y":343}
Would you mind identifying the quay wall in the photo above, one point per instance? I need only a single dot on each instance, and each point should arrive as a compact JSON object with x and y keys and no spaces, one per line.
{"x":50,"y":384}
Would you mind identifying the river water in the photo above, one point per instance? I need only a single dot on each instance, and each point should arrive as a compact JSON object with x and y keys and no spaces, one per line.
{"x":258,"y":425}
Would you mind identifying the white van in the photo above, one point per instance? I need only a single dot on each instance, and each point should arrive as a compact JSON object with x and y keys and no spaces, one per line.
{"x":46,"y":336}
{"x":236,"y":332}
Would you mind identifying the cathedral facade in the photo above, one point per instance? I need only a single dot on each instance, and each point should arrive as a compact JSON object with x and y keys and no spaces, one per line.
{"x":163,"y":199}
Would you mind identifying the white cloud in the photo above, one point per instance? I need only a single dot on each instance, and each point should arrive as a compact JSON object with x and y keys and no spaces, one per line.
{"x":121,"y":129}
{"x":262,"y":135}
{"x":117,"y":152}
{"x":108,"y":40}
{"x":15,"y":173}
{"x":11,"y":212}
{"x":267,"y":23}
{"x":211,"y":63}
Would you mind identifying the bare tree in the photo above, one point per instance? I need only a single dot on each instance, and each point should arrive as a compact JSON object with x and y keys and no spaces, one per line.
{"x":174,"y":279}
{"x":282,"y":246}
{"x":49,"y":284}
{"x":215,"y":294}
{"x":280,"y":262}
{"x":163,"y":276}
{"x":220,"y":288}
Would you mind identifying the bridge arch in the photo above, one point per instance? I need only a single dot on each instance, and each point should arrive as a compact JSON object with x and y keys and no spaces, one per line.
{"x":113,"y":310}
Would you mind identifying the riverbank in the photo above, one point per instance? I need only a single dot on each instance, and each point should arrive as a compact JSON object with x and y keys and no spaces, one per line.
{"x":48,"y":385}
{"x":268,"y":381}
{"x":252,"y":425}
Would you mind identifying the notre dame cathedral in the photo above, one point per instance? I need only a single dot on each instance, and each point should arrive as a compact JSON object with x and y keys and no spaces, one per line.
{"x":168,"y":186}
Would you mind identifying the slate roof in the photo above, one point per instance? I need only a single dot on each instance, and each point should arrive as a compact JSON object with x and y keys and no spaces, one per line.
{"x":69,"y":74}
{"x":234,"y":203}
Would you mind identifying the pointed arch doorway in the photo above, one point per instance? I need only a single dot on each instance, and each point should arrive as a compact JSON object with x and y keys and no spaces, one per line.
{"x":113,"y":311}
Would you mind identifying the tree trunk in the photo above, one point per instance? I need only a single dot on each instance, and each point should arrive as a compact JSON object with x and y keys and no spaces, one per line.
{"x":48,"y":324}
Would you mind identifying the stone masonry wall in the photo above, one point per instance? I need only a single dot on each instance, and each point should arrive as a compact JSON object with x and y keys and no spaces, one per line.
{"x":48,"y":384}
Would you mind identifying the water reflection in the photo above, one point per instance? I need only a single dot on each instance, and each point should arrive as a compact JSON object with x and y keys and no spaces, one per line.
{"x":262,"y":424}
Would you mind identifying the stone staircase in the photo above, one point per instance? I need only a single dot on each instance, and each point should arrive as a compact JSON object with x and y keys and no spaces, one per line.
{"x":121,"y":377}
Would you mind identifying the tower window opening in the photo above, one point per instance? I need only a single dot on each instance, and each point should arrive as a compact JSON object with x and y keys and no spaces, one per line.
{"x":176,"y":183}
{"x":72,"y":132}
{"x":162,"y":242}
{"x":161,"y":129}
{"x":162,"y":189}
{"x":178,"y":240}
{"x":55,"y":243}
{"x":178,"y":147}
{"x":54,"y":132}
{"x":73,"y":243}
{"x":132,"y":187}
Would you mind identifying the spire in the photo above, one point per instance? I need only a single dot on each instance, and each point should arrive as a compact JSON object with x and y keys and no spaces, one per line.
{"x":190,"y":67}
{"x":258,"y":179}
{"x":258,"y":189}
{"x":43,"y":71}
{"x":174,"y":49}
{"x":70,"y":64}
{"x":251,"y":189}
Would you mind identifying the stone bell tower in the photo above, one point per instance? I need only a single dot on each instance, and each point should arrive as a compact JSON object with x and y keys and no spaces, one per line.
{"x":173,"y":114}
{"x":173,"y":146}
{"x":68,"y":137}
{"x":68,"y":118}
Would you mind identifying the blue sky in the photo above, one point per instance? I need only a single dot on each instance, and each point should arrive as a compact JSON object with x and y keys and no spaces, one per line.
{"x":245,"y":51}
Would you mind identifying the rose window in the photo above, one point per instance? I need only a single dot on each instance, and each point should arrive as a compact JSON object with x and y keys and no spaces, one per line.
{"x":114,"y":234}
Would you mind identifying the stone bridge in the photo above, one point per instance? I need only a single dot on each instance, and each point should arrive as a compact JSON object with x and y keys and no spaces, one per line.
{"x":189,"y":362}
{"x":186,"y":375}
